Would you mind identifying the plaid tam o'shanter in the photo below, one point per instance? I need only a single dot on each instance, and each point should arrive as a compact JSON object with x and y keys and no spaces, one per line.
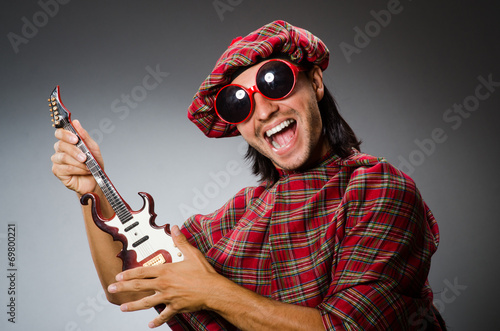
{"x":351,"y":237}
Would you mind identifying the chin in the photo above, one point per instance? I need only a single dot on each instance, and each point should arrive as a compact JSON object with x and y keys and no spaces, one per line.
{"x":291,"y":164}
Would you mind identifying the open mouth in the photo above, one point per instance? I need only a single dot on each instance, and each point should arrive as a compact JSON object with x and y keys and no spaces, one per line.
{"x":281,"y":134}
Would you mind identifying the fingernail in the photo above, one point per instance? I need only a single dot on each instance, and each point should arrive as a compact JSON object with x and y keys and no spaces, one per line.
{"x":151,"y":325}
{"x":81,"y":157}
{"x":119,"y":277}
{"x":123,"y":307}
{"x":176,"y":231}
{"x":112,"y":288}
{"x":73,"y":139}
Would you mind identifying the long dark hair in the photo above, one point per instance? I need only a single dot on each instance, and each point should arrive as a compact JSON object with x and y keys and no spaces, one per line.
{"x":338,"y":133}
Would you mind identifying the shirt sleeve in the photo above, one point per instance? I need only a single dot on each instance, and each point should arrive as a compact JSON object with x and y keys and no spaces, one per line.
{"x":385,"y":238}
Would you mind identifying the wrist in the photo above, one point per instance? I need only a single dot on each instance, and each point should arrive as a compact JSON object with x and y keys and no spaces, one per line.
{"x":226,"y":297}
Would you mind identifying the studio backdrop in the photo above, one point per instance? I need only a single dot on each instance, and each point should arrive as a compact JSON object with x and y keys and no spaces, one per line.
{"x":418,"y":81}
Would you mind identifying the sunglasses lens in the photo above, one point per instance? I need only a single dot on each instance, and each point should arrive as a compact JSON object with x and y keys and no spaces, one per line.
{"x":275,"y":79}
{"x":233,"y":104}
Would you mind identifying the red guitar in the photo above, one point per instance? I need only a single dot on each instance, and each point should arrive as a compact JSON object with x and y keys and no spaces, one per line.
{"x":144,"y":242}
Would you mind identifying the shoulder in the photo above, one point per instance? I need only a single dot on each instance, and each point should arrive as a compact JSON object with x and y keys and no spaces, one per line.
{"x":377,"y":186}
{"x":375,"y":172}
{"x":379,"y":198}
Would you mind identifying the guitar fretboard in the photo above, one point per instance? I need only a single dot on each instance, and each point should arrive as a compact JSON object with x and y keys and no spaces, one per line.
{"x":102,"y":180}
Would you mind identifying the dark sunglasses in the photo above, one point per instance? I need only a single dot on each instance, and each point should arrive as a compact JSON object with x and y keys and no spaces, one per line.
{"x":275,"y":80}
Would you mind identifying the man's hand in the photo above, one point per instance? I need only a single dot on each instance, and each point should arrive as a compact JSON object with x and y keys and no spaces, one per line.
{"x":193,"y":285}
{"x":68,"y":161}
{"x":184,"y":286}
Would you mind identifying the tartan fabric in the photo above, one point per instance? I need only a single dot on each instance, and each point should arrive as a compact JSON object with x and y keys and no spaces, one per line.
{"x":278,"y":37}
{"x":351,"y":237}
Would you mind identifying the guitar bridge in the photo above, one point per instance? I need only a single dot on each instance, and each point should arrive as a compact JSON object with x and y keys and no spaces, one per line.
{"x":158,"y":259}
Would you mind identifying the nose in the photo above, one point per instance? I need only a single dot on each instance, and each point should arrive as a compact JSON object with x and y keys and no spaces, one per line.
{"x":264,"y":108}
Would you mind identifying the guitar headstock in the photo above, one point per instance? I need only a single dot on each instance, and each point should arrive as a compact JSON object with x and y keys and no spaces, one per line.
{"x":60,"y":115}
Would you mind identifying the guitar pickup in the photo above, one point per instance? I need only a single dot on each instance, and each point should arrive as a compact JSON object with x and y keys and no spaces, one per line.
{"x":140,"y":241}
{"x":131,"y":226}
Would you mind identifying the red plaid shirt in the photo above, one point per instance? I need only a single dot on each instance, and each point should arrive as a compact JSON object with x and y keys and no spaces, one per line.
{"x":351,"y":237}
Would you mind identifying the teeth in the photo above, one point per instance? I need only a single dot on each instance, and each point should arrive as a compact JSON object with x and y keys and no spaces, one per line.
{"x":275,"y":144}
{"x":279,"y":127}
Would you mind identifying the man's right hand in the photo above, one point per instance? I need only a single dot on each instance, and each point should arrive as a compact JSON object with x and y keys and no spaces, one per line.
{"x":68,"y":161}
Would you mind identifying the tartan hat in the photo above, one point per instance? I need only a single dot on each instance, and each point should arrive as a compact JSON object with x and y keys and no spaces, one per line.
{"x":271,"y":40}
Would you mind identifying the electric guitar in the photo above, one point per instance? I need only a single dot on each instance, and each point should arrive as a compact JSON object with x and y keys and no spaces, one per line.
{"x":144,"y":242}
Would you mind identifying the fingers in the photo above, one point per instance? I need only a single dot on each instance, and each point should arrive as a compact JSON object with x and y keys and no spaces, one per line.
{"x":144,"y":303}
{"x":68,"y":159}
{"x":181,"y":242}
{"x":149,"y":302}
{"x":136,"y":280}
{"x":63,"y":147}
{"x":142,"y":279}
{"x":70,"y":138}
{"x":66,"y":145}
{"x":178,"y":237}
{"x":66,"y":136}
{"x":189,"y":251}
{"x":91,"y":144}
{"x":139,"y":273}
{"x":162,"y":318}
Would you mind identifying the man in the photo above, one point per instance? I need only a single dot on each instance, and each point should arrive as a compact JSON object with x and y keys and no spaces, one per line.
{"x":331,"y":239}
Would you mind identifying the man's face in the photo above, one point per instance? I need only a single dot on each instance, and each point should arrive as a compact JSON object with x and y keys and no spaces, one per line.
{"x":287,"y":131}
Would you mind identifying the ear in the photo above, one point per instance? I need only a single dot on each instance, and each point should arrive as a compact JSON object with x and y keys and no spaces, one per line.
{"x":316,"y":77}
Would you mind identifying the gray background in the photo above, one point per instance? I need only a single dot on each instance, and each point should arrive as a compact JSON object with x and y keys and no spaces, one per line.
{"x":394,"y":91}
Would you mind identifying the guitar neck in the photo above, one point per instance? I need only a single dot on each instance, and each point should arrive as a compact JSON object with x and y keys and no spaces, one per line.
{"x":115,"y":200}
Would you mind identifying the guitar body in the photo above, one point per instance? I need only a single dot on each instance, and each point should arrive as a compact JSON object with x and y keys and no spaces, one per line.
{"x":140,"y":236}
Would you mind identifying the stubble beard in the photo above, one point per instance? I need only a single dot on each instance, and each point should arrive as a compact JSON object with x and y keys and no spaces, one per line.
{"x":314,"y":145}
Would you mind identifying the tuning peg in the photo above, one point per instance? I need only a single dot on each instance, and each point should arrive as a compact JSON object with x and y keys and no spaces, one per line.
{"x":53,"y":99}
{"x":54,"y":108}
{"x":48,"y":99}
{"x":53,"y":103}
{"x":56,"y":113}
{"x":52,"y":119}
{"x":57,"y":122}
